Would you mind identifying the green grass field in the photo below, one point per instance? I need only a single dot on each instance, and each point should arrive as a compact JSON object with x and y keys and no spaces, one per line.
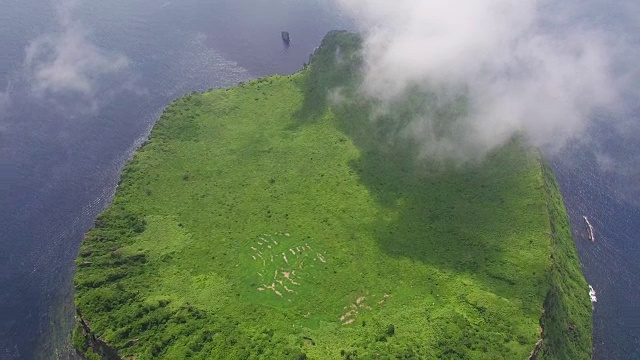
{"x":265,"y":221}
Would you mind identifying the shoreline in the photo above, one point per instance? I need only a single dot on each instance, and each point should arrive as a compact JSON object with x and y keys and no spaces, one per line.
{"x":134,"y":225}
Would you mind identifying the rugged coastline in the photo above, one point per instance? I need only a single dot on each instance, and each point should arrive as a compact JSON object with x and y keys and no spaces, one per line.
{"x":123,"y":312}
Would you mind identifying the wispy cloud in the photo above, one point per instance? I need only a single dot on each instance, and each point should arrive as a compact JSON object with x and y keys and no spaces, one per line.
{"x":66,"y":61}
{"x":522,"y":67}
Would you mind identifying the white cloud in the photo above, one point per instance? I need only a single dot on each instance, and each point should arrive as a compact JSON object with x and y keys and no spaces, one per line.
{"x":66,"y":60}
{"x":523,"y":67}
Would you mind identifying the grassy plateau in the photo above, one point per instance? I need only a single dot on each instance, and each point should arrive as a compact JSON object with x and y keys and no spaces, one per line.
{"x":272,"y":221}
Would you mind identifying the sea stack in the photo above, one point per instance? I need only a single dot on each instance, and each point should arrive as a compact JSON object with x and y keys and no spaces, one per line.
{"x":285,"y":37}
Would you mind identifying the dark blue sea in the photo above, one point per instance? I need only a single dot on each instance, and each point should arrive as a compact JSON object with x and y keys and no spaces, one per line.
{"x":81,"y":83}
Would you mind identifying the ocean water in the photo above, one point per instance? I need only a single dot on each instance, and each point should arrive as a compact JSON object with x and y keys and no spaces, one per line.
{"x":81,"y":83}
{"x":609,"y":195}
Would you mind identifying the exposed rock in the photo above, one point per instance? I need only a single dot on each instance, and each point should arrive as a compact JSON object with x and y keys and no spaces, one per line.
{"x":536,"y":350}
{"x":285,"y":37}
{"x":98,"y":345}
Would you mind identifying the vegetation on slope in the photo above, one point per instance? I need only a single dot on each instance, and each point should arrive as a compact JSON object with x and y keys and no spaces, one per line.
{"x":272,"y":221}
{"x":567,"y":320}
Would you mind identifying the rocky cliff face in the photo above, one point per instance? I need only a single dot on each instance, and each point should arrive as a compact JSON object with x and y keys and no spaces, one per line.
{"x":90,"y":346}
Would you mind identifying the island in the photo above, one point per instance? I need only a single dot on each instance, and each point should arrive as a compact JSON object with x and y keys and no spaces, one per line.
{"x":275,"y":220}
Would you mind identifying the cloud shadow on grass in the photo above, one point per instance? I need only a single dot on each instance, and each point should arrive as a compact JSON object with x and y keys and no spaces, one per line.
{"x":469,"y":217}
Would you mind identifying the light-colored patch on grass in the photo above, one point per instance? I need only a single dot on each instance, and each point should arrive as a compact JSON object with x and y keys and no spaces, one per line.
{"x":285,"y":255}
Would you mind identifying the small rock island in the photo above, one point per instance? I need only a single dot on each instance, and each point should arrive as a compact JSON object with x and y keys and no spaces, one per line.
{"x":285,"y":37}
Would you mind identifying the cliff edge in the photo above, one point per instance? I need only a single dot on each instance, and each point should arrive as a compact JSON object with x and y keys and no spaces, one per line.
{"x":275,"y":219}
